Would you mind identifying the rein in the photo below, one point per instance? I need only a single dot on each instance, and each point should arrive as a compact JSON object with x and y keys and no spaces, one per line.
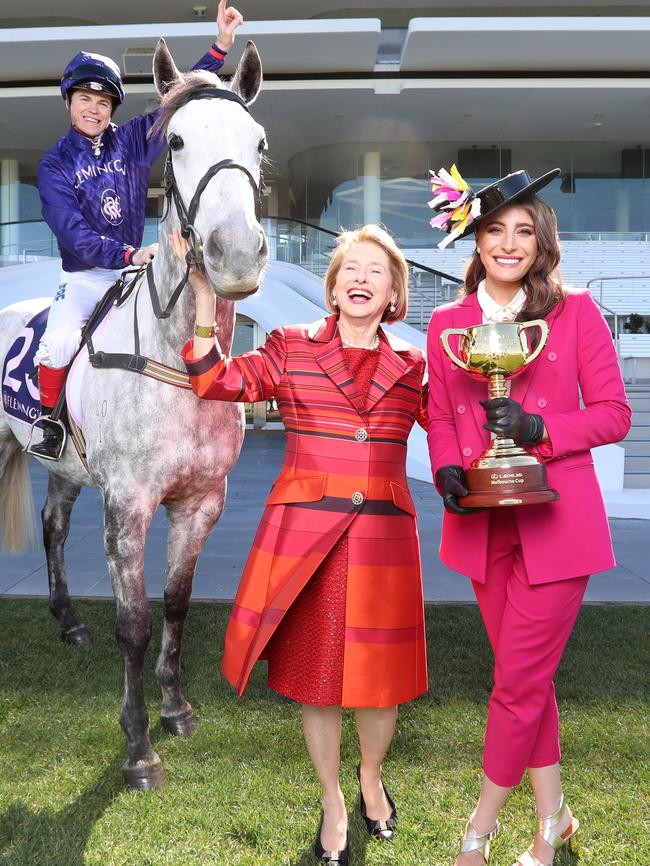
{"x":138,"y":363}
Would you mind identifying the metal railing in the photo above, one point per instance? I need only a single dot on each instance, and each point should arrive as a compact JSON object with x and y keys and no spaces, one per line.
{"x":302,"y":243}
{"x":290,"y":240}
{"x":623,"y":278}
{"x":308,"y":245}
{"x":25,"y":239}
{"x":22,"y":241}
{"x":616,"y":315}
{"x":308,"y":230}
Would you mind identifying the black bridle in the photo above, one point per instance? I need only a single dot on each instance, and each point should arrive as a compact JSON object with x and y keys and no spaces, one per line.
{"x":187,"y":215}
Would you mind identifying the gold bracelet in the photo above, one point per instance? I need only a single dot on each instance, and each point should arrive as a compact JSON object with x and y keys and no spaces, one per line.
{"x":206,"y":330}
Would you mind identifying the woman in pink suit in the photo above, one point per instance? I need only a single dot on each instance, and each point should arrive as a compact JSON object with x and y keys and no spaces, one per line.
{"x":529,"y":565}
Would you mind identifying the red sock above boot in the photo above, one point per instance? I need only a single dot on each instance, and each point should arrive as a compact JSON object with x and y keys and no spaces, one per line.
{"x":50,"y":383}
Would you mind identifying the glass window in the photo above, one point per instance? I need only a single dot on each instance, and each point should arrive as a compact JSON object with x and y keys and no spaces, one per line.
{"x":604,"y":188}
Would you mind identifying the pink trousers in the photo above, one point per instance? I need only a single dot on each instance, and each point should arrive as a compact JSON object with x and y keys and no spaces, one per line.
{"x":528,"y":627}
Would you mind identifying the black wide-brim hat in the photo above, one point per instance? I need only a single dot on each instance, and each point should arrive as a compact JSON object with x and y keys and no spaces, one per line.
{"x":509,"y":190}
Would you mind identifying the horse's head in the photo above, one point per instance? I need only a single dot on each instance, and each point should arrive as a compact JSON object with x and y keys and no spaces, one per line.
{"x":214,"y":162}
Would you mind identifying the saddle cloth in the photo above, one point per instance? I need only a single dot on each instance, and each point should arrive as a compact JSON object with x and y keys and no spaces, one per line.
{"x":20,"y":397}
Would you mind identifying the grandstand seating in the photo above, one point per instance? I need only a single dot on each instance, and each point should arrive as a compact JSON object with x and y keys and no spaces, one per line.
{"x":582,"y":261}
{"x":625,"y":265}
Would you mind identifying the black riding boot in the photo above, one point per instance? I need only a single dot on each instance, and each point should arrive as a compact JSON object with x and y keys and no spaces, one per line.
{"x":50,"y":447}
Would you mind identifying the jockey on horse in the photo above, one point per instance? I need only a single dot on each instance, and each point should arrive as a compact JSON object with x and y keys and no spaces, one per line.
{"x":93,"y":188}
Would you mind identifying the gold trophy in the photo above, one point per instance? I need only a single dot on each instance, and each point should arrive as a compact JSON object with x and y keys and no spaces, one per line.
{"x":505,"y":473}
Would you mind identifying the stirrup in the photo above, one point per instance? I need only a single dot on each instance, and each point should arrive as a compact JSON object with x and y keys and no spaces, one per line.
{"x":57,"y":425}
{"x":546,"y":826}
{"x":473,"y":841}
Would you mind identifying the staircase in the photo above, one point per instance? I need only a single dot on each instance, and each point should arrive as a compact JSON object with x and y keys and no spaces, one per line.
{"x":637,"y":441}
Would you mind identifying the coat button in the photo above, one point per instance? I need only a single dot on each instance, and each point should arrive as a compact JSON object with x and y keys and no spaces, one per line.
{"x":467,"y":452}
{"x":357,"y":498}
{"x":552,"y":356}
{"x":541,"y":402}
{"x":461,"y":409}
{"x":361,"y":435}
{"x":453,"y":367}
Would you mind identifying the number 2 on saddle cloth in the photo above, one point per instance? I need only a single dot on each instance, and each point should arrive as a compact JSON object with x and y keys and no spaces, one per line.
{"x":20,"y":396}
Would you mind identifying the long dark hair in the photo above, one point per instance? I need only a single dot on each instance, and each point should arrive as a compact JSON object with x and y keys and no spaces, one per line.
{"x":543,"y":282}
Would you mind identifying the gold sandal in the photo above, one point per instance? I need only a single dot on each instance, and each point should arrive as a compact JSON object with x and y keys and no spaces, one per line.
{"x":473,"y":841}
{"x":545,"y":826}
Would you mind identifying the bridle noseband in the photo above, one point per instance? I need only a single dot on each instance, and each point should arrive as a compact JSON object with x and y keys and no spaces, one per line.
{"x":187,"y":215}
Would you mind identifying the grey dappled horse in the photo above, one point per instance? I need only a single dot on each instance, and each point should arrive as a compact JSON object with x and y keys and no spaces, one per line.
{"x":149,"y":442}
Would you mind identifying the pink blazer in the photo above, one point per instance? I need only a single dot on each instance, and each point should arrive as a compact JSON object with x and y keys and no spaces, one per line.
{"x":563,"y":539}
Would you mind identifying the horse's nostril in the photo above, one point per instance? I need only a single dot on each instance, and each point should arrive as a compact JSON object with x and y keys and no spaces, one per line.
{"x":214,"y":248}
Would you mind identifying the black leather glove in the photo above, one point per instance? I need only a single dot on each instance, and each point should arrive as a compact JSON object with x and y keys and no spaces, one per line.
{"x":506,"y":417}
{"x":451,"y":480}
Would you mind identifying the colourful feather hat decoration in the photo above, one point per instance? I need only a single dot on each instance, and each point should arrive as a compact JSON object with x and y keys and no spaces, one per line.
{"x":456,"y":203}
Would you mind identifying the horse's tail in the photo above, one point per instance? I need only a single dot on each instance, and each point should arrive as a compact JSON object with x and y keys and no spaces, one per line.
{"x":17,"y":522}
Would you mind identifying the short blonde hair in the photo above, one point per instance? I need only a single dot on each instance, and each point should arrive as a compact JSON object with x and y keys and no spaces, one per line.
{"x":399,"y":270}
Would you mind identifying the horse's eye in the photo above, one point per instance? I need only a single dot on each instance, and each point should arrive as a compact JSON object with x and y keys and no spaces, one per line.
{"x":261,"y":147}
{"x":175,"y":141}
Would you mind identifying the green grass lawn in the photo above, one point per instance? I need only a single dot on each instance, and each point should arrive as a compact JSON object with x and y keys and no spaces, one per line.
{"x":241,"y":790}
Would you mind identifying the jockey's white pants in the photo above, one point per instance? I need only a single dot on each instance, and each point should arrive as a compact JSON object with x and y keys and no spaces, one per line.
{"x":76,"y":298}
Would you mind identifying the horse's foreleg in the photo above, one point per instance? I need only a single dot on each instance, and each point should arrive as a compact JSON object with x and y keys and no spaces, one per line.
{"x":61,"y":496}
{"x":125,"y":528}
{"x":189,"y":528}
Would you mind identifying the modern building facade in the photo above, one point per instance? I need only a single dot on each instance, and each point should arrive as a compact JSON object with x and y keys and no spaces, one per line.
{"x":359,"y":102}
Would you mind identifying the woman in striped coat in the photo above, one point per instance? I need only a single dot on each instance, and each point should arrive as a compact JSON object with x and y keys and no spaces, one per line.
{"x":331,"y":594}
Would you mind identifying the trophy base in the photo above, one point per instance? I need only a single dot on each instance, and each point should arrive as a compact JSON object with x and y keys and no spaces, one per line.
{"x":507,"y":485}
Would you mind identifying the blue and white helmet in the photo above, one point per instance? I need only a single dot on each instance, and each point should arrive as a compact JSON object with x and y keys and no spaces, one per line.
{"x":95,"y":73}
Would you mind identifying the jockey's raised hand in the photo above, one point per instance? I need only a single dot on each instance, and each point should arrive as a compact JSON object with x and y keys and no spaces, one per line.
{"x":228,"y":20}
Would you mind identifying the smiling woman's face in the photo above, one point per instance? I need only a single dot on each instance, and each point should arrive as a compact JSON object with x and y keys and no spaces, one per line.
{"x":507,"y":244}
{"x":363,"y":286}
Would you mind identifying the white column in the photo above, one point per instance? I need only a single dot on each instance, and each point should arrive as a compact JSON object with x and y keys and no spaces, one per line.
{"x":372,"y":187}
{"x":623,"y":207}
{"x":272,"y":209}
{"x":9,"y":206}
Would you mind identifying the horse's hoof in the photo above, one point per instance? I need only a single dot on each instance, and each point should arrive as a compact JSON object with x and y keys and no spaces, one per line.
{"x":78,"y":635}
{"x":179,"y":726}
{"x":145,"y":776}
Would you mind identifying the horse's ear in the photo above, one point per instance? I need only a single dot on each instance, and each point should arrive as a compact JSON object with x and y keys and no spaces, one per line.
{"x":165,"y":73}
{"x":248,"y":77}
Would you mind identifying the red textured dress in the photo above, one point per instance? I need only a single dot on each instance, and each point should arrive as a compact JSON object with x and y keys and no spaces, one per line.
{"x":305,"y":654}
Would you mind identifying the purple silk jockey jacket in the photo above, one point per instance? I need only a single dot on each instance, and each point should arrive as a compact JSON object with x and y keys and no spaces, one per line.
{"x":94,"y":197}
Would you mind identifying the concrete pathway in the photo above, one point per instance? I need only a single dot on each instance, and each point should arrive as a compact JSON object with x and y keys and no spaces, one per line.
{"x":223,"y":557}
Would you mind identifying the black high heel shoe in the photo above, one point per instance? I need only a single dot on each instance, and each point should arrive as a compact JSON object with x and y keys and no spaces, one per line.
{"x":384,"y":829}
{"x":341,"y":857}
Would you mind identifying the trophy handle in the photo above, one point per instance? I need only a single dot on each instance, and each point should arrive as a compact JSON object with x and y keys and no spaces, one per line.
{"x":543,"y":327}
{"x":444,"y":338}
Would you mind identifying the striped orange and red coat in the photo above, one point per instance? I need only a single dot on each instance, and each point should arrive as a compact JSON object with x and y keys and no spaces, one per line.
{"x":344,"y":471}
